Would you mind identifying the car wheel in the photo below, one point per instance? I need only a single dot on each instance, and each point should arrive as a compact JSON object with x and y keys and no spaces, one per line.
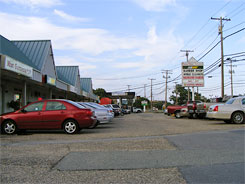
{"x":71,"y":126}
{"x":194,"y":115}
{"x":177,"y":115}
{"x":9,"y":127}
{"x":237,"y":118}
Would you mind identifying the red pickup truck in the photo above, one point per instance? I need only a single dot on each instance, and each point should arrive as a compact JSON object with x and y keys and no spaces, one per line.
{"x":178,"y":110}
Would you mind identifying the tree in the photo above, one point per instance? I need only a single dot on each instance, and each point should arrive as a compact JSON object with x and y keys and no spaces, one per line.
{"x":100,"y":92}
{"x":138,"y":101}
{"x":182,"y":95}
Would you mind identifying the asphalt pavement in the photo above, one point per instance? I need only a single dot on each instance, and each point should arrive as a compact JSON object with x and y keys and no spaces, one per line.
{"x":210,"y":157}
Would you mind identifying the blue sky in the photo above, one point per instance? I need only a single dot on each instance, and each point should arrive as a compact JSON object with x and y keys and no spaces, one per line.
{"x":126,"y":42}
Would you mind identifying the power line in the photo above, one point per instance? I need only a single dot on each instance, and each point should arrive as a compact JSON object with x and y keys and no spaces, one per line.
{"x":219,"y":42}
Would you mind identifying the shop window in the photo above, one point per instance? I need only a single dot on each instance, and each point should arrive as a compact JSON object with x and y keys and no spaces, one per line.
{"x":55,"y":106}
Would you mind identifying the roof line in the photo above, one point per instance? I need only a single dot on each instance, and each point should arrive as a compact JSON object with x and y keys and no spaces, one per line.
{"x":29,"y":40}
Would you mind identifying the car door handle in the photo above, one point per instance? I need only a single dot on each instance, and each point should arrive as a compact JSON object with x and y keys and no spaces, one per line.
{"x":62,"y":112}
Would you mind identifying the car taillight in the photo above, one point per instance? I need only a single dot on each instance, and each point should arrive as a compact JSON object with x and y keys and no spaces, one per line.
{"x":194,"y":105}
{"x":204,"y":106}
{"x":216,"y":108}
{"x":89,"y":112}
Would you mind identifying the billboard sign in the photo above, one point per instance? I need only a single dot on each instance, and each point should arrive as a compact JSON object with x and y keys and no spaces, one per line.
{"x":192,"y":73}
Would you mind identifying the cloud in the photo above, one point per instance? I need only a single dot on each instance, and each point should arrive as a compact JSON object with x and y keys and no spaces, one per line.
{"x":125,"y":65}
{"x":70,"y":18}
{"x":84,"y":68}
{"x":87,"y":40}
{"x":95,"y":46}
{"x":34,"y":3}
{"x":154,"y":5}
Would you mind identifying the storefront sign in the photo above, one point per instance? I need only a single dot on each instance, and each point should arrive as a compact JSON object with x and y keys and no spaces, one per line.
{"x":18,"y":67}
{"x":192,"y":73}
{"x":51,"y":80}
{"x":119,"y":94}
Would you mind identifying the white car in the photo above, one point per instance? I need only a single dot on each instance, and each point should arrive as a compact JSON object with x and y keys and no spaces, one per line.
{"x":233,"y":111}
{"x":101,"y":113}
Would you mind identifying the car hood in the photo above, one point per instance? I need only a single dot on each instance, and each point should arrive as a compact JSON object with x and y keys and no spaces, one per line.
{"x":7,"y":113}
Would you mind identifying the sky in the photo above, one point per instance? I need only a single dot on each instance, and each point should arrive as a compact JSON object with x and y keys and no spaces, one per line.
{"x":122,"y":44}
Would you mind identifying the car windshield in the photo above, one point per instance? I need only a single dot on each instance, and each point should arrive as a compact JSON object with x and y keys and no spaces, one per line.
{"x":96,"y":105}
{"x":115,"y":106}
{"x":230,"y":101}
{"x":75,"y":104}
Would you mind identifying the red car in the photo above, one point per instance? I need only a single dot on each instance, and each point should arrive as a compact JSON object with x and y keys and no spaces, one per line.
{"x":48,"y":114}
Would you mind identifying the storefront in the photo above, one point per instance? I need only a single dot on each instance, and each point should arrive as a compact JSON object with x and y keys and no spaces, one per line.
{"x":28,"y":73}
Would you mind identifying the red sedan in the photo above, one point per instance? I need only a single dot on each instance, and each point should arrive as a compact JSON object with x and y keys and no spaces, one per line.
{"x":48,"y":114}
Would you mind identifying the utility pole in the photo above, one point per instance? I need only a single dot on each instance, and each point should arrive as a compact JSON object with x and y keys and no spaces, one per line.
{"x":176,"y":100}
{"x":222,"y":53}
{"x":145,"y":90}
{"x":231,"y":72}
{"x":166,"y":84}
{"x":151,"y":92}
{"x":128,"y":88}
{"x":187,"y":54}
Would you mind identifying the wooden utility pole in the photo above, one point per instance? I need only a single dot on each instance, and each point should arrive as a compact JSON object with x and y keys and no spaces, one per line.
{"x":166,"y":84}
{"x":187,"y":54}
{"x":231,"y":72}
{"x":222,"y":53}
{"x":128,"y":88}
{"x":151,"y":92}
{"x":176,"y":91}
{"x":145,"y":90}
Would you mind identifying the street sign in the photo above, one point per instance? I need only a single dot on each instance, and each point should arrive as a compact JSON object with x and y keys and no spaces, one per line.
{"x":144,"y":102}
{"x":192,"y":73}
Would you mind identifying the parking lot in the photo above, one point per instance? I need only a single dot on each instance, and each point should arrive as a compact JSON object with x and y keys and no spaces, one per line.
{"x":122,"y":151}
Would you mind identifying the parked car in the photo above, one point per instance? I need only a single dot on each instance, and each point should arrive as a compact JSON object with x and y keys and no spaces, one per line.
{"x":48,"y":114}
{"x":116,"y":109}
{"x":137,"y":110}
{"x":101,"y":113}
{"x":126,"y":111}
{"x":196,"y":109}
{"x":231,"y":112}
{"x":178,"y":110}
{"x":183,"y":112}
{"x":111,"y":113}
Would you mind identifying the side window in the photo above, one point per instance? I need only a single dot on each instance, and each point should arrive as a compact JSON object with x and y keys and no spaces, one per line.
{"x":51,"y":106}
{"x":35,"y":107}
{"x":243,"y":101}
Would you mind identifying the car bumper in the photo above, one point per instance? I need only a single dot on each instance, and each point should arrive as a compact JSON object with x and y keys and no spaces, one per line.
{"x":197,"y":111}
{"x":215,"y":115}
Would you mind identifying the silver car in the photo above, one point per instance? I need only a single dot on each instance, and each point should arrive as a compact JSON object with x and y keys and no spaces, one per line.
{"x":231,"y":112}
{"x":101,"y":113}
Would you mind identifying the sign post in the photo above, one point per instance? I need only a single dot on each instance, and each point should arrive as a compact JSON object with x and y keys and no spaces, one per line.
{"x":192,"y":74}
{"x":144,"y":103}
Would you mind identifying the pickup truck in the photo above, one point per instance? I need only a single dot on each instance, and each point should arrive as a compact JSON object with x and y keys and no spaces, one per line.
{"x":178,"y":110}
{"x":196,"y":109}
{"x":137,"y":110}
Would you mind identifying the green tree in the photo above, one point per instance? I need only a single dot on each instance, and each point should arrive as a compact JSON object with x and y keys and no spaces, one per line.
{"x":100,"y":92}
{"x":182,"y":95}
{"x":138,"y":101}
